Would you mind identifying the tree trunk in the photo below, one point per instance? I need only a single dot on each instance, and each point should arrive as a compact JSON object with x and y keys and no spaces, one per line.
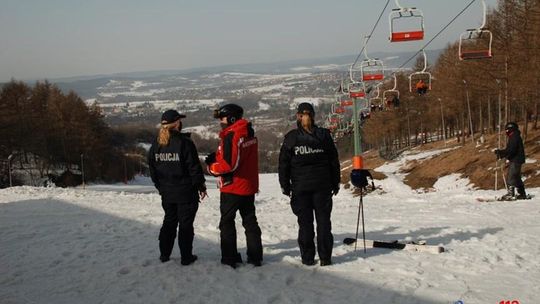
{"x":462,"y":128}
{"x":489,"y":115}
{"x":481,"y":122}
{"x":536,"y":112}
{"x":526,"y":119}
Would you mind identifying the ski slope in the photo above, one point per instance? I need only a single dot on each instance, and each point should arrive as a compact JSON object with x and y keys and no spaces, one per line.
{"x":99,"y":245}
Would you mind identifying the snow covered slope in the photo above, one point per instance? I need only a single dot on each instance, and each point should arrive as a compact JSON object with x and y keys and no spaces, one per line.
{"x":99,"y":245}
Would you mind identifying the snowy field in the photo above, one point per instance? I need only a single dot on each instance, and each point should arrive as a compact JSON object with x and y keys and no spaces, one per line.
{"x":99,"y":245}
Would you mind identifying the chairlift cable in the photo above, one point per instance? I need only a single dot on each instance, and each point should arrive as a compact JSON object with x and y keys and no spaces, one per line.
{"x":371,"y":33}
{"x":437,"y":35}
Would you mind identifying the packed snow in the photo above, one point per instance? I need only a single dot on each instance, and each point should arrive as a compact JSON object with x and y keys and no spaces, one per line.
{"x":99,"y":245}
{"x":263,"y":106}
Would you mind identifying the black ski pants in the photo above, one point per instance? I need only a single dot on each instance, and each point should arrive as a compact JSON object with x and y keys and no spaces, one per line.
{"x":229,"y":204}
{"x":303,"y":205}
{"x":514,"y":175}
{"x":179,"y":214}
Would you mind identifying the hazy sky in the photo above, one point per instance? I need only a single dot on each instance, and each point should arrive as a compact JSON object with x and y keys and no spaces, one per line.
{"x":61,"y":38}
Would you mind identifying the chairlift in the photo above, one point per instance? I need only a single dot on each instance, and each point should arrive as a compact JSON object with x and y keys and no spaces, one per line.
{"x":376,"y":100}
{"x":334,"y":119}
{"x":343,"y":88}
{"x":357,"y":89}
{"x":370,"y":69}
{"x":363,"y":105}
{"x":346,"y":103}
{"x":337,"y":108}
{"x":343,"y":126}
{"x":476,"y":43}
{"x":420,"y":81}
{"x":406,"y":13}
{"x":393,"y":92}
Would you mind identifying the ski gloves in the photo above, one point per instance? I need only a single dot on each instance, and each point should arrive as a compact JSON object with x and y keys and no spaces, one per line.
{"x":210,"y":159}
{"x":286,"y":191}
{"x":498,"y":153}
{"x":335,"y":190}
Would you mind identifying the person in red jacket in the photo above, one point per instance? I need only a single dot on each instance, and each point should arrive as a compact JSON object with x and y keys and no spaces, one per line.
{"x":237,"y":165}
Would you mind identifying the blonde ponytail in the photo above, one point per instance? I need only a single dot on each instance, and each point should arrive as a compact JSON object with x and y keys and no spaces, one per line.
{"x":164,"y":135}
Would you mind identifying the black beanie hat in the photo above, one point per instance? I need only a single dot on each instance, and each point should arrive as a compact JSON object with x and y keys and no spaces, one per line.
{"x":306,"y":108}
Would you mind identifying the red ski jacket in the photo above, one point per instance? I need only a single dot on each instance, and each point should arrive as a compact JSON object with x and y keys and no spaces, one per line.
{"x":237,"y":160}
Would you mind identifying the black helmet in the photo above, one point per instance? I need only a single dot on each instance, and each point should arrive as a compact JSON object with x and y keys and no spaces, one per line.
{"x":232,"y":111}
{"x":511,"y":126}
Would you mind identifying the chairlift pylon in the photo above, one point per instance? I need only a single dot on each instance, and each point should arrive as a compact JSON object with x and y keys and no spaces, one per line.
{"x":476,"y":43}
{"x":402,"y":13}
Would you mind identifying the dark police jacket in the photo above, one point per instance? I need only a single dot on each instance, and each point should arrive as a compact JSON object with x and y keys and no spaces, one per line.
{"x":308,"y":162}
{"x":175,"y":168}
{"x":514,"y":152}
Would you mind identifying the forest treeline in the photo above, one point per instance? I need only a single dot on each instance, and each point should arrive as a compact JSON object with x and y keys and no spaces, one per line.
{"x":467,"y":96}
{"x":49,"y":133}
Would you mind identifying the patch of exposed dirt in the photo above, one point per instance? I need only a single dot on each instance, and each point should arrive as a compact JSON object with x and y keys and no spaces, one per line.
{"x":478,"y":163}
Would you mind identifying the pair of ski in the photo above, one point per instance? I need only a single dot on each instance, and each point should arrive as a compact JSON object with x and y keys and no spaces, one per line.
{"x":502,"y":199}
{"x":420,"y":246}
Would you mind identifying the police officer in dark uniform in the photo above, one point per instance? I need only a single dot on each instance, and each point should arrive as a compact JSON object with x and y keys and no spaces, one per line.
{"x":309,"y":173}
{"x":515,"y":154}
{"x":177,"y":174}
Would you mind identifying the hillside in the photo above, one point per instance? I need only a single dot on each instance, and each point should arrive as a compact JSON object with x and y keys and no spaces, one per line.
{"x":476,"y":162}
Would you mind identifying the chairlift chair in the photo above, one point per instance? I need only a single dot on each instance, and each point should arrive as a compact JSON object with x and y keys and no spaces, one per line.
{"x":424,"y":76}
{"x":392,"y":92}
{"x":337,"y":108}
{"x":334,"y":118}
{"x":363,"y":105}
{"x":476,"y":43}
{"x":346,"y":103}
{"x":343,"y":126}
{"x":376,"y":100}
{"x":372,"y":69}
{"x":401,"y":14}
{"x":357,"y":89}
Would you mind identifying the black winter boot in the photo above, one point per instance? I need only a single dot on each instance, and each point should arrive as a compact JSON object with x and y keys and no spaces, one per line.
{"x":189,"y":260}
{"x":521,"y":193}
{"x":510,"y":195}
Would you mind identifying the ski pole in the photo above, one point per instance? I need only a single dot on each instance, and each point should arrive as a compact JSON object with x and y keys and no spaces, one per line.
{"x":496,"y":174}
{"x":504,"y":178}
{"x":358,"y":220}
{"x":363,"y":224}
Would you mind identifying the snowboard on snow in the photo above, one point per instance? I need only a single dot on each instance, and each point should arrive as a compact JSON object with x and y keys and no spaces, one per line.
{"x":501,"y":199}
{"x":420,"y":246}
